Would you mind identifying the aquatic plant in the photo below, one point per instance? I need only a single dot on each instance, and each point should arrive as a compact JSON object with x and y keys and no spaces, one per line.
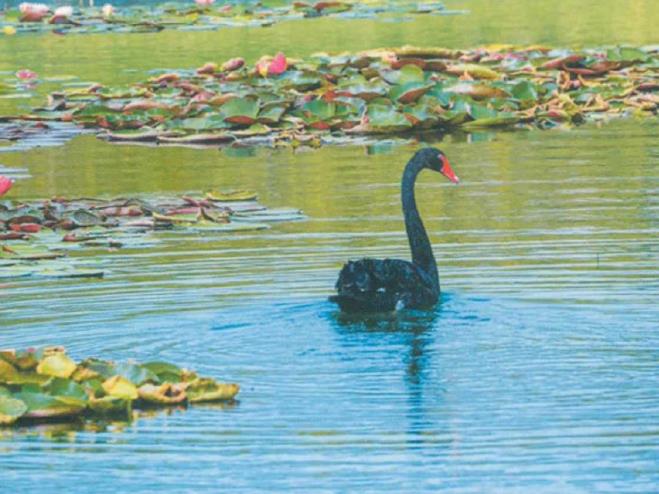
{"x":46,"y":384}
{"x":385,"y":92}
{"x":5,"y":184}
{"x":35,"y":236}
{"x":203,"y":14}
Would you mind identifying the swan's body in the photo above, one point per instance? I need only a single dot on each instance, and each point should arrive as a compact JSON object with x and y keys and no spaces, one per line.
{"x":382,"y":285}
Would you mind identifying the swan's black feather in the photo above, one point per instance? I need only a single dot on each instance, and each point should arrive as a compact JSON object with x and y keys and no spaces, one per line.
{"x":381,"y":285}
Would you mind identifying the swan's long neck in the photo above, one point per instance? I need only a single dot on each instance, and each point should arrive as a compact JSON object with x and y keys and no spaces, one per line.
{"x":416,"y":233}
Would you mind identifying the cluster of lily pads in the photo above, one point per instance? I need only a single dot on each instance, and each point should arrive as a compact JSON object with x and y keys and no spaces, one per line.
{"x":41,"y":384}
{"x":204,"y":15}
{"x":35,"y":236}
{"x":386,"y":91}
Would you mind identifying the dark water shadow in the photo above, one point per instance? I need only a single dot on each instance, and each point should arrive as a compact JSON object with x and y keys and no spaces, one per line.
{"x":416,"y":332}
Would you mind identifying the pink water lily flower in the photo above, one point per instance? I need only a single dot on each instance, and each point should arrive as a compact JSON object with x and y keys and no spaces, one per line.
{"x":26,"y":75}
{"x":278,"y":65}
{"x":204,"y":3}
{"x":272,"y":66}
{"x":6,"y":183}
{"x":33,"y":12}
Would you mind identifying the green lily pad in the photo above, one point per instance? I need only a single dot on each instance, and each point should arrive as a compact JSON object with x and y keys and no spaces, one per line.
{"x":120,"y":387}
{"x":386,"y":119}
{"x":319,"y":109}
{"x":11,"y":410}
{"x":298,"y":80}
{"x":136,"y":374}
{"x":488,"y":122}
{"x":407,"y":74}
{"x":67,"y":391}
{"x":272,"y":114}
{"x":627,"y":54}
{"x":165,"y":371}
{"x":58,"y":365}
{"x":208,"y":390}
{"x":478,"y":112}
{"x":409,"y":92}
{"x":41,"y":405}
{"x":525,"y":90}
{"x":111,"y":406}
{"x":242,"y":111}
{"x":7,"y":372}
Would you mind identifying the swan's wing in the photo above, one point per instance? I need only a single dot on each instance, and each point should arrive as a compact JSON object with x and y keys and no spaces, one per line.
{"x":382,"y":284}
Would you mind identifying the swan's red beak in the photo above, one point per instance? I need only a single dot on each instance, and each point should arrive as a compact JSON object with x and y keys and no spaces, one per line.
{"x":447,"y":171}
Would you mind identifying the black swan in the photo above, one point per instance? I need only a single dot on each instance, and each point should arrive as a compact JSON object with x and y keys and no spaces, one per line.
{"x":383,"y":285}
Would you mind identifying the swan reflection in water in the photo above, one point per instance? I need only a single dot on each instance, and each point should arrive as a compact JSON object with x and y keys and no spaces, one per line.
{"x":402,"y":341}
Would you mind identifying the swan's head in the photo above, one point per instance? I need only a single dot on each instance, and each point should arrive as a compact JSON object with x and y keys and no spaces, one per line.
{"x":436,"y":160}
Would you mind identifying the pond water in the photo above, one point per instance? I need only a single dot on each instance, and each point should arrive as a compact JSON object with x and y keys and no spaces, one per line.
{"x":536,"y":373}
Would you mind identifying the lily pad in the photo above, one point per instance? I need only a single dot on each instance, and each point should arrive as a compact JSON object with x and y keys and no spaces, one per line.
{"x":58,"y":365}
{"x":11,"y":410}
{"x":234,"y":195}
{"x":111,"y":406}
{"x":208,"y":390}
{"x":120,"y":387}
{"x":136,"y":374}
{"x":164,"y":394}
{"x":165,"y":371}
{"x":41,"y":405}
{"x":88,"y":394}
{"x":243,"y":111}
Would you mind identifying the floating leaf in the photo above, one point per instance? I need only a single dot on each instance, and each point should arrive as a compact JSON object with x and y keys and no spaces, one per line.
{"x":477,"y":91}
{"x":42,"y":405}
{"x":135,"y":373}
{"x":58,"y":365}
{"x":164,"y":394}
{"x":241,"y":111}
{"x":120,"y":387}
{"x":161,"y":384}
{"x":165,"y":371}
{"x":409,"y":92}
{"x":233,"y":195}
{"x":475,"y":71}
{"x":67,"y":391}
{"x":627,"y":54}
{"x":111,"y":406}
{"x":386,"y":119}
{"x":207,"y":390}
{"x":7,"y":372}
{"x":23,"y":360}
{"x":196,"y":139}
{"x":488,"y":122}
{"x":407,"y":74}
{"x":11,"y":410}
{"x":525,"y":90}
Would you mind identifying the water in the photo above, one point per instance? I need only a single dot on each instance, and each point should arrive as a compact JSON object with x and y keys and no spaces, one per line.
{"x":536,"y":373}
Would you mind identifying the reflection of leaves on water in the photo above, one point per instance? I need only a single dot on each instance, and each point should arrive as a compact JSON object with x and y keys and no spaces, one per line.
{"x":67,"y":432}
{"x":19,"y":135}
